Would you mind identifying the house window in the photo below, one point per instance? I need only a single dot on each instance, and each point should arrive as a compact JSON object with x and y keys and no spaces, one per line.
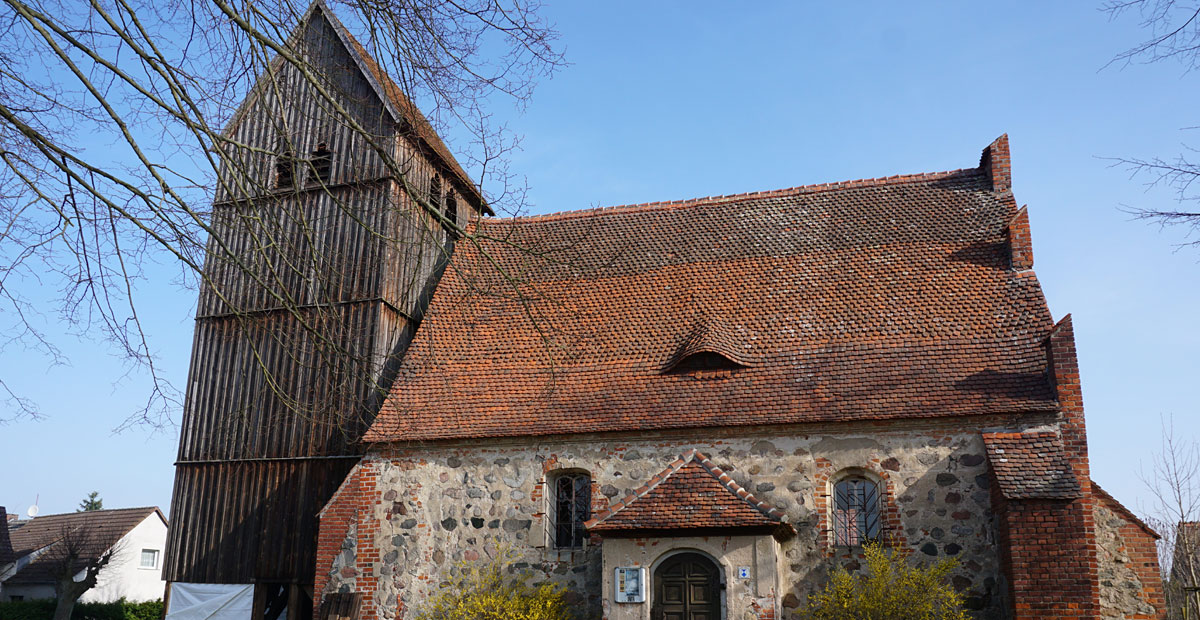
{"x":285,"y":170}
{"x":572,"y":506}
{"x":855,"y":511}
{"x":149,"y":558}
{"x":322,"y":163}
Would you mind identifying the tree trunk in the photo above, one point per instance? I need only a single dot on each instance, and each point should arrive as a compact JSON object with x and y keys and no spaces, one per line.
{"x":63,"y":611}
{"x":69,"y":592}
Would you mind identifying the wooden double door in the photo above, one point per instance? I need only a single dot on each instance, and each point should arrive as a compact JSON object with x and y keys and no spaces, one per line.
{"x":687,"y":587}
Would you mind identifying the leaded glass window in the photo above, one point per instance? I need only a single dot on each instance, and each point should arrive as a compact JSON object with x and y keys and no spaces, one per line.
{"x":572,"y":506}
{"x":855,"y":512}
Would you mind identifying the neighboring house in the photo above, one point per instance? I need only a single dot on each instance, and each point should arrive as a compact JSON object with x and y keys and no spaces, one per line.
{"x":1184,"y":593}
{"x":137,"y":537}
{"x":691,"y":410}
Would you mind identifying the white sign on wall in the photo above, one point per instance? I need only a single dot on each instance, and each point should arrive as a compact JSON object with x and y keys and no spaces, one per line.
{"x":743,"y":572}
{"x":630,"y":584}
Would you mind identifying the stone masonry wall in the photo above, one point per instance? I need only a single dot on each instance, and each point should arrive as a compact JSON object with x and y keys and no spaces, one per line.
{"x":429,"y":507}
{"x":1131,"y":586}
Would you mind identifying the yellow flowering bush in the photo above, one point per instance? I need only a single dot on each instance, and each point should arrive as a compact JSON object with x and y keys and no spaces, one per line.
{"x":488,"y":590}
{"x":892,"y":590}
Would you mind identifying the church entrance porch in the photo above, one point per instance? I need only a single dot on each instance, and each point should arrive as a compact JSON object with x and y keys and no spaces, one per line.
{"x":710,"y":547}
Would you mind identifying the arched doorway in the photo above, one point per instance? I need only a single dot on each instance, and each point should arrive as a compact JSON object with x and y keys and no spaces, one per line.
{"x":687,"y":587}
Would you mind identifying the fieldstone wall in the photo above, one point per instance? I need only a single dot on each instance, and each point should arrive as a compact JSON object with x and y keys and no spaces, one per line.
{"x":431,"y":507}
{"x":1131,"y":585}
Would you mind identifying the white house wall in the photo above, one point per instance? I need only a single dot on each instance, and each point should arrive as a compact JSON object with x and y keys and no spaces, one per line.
{"x":124,"y":575}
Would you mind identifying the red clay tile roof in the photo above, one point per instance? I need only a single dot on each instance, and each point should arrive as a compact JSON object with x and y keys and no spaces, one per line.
{"x":878,"y":299}
{"x":1031,"y":465}
{"x":99,"y":529}
{"x":691,"y":493}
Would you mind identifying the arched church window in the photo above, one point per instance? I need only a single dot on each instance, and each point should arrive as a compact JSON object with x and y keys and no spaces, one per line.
{"x":572,"y":506}
{"x":855,"y":511}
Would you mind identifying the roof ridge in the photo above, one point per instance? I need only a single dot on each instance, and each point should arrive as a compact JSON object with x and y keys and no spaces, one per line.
{"x":84,"y":512}
{"x":662,"y":205}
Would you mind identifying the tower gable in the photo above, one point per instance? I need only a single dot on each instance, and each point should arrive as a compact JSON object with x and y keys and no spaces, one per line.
{"x":352,"y":95}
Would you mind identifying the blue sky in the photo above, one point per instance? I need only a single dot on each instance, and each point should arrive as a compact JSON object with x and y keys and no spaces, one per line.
{"x":670,"y":101}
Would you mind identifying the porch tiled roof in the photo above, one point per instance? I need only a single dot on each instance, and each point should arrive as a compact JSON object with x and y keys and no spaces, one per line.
{"x":691,"y":493}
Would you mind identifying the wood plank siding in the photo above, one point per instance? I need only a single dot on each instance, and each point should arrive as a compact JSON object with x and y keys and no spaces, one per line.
{"x":312,"y":291}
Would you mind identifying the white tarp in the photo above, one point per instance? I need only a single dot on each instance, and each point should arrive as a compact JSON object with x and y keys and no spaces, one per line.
{"x":211,"y":601}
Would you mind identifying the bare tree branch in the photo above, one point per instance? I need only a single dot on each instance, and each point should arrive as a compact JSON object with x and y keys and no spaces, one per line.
{"x":1173,"y":479}
{"x":1174,"y":27}
{"x":114,"y":147}
{"x":75,"y":561}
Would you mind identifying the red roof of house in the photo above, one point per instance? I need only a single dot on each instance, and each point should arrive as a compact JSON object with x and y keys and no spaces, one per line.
{"x":879,"y":299}
{"x":691,"y":493}
{"x":1031,"y":465}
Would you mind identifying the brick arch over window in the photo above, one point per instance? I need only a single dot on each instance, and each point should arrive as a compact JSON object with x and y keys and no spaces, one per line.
{"x":855,"y":509}
{"x":889,"y":527}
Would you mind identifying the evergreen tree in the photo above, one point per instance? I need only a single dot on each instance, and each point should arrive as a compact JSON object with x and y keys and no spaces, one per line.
{"x":91,"y":502}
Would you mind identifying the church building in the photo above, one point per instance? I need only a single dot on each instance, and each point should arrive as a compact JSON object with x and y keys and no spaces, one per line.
{"x":687,"y":410}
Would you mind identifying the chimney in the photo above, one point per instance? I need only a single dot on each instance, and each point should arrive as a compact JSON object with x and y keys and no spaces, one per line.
{"x":1020,"y":242}
{"x":6,"y":550}
{"x":997,"y":164}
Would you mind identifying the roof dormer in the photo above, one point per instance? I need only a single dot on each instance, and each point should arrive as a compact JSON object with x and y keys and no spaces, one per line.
{"x":711,"y":350}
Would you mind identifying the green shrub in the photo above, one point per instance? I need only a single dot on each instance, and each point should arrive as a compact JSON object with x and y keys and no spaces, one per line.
{"x":27,"y":610}
{"x":116,"y":610}
{"x":492,"y":590}
{"x":892,"y":590}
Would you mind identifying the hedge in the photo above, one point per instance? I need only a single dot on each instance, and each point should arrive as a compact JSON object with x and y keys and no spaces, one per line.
{"x":117,"y":610}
